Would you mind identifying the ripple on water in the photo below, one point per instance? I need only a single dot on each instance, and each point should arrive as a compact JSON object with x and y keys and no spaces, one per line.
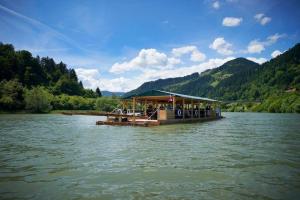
{"x":244,"y":156}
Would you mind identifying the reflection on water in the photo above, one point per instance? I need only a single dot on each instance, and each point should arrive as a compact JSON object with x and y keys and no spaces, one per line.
{"x":244,"y":156}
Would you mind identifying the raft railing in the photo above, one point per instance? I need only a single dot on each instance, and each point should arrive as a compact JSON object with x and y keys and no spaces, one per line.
{"x":153,"y":113}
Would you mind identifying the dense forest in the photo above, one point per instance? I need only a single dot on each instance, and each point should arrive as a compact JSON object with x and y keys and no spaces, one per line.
{"x":40,"y":85}
{"x":242,"y":84}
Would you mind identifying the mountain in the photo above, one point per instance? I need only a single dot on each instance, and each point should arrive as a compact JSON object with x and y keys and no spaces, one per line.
{"x":277,"y":80}
{"x":109,"y":94}
{"x":163,"y":84}
{"x":206,"y":83}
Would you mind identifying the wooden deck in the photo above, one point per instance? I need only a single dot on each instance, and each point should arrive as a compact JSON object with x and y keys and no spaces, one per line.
{"x":188,"y":120}
{"x":147,"y":123}
{"x":137,"y":122}
{"x":114,"y":119}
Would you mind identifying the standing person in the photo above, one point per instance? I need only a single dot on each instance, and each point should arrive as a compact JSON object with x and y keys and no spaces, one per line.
{"x":149,"y":110}
{"x":196,"y":112}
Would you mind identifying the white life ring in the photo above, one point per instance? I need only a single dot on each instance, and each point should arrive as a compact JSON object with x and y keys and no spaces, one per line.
{"x":119,"y":111}
{"x":179,"y":112}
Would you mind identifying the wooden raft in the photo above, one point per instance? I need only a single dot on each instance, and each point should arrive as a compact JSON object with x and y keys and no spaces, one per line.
{"x":137,"y":122}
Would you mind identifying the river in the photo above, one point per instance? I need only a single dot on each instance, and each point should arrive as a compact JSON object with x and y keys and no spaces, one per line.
{"x":243,"y":156}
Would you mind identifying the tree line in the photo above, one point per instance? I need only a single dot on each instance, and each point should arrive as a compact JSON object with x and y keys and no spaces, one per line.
{"x":40,"y":85}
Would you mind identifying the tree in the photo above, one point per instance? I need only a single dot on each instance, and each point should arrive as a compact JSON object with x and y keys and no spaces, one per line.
{"x":72,"y":75}
{"x":38,"y":100}
{"x":67,"y":86}
{"x":106,"y":104}
{"x":11,"y":95}
{"x":98,"y":92}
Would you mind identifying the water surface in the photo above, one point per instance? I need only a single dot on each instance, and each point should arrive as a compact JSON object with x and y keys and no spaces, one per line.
{"x":244,"y":156}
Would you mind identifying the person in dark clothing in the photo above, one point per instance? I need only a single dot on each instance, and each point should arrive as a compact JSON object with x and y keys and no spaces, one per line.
{"x":149,"y":110}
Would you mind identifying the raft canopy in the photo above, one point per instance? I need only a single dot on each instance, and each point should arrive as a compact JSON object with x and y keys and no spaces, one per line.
{"x":160,"y":95}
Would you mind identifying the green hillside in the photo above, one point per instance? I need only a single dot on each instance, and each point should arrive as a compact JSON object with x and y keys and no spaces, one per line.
{"x":163,"y":84}
{"x":39,"y":84}
{"x":35,"y":71}
{"x":240,"y":80}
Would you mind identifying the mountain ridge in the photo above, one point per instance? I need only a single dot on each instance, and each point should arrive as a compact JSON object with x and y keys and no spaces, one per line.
{"x":107,"y":93}
{"x":171,"y":84}
{"x":277,"y":80}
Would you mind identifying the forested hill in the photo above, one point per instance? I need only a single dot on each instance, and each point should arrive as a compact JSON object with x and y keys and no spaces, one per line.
{"x":31,"y":71}
{"x":203,"y":84}
{"x":162,"y":84}
{"x":274,"y":82}
{"x":106,"y":93}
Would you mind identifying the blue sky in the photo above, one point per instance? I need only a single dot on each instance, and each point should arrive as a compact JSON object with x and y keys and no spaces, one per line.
{"x":118,"y":45}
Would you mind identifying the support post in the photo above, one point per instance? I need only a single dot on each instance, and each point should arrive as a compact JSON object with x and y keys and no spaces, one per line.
{"x":192,"y":102}
{"x":205,"y":110}
{"x":174,"y":103}
{"x":145,"y":108}
{"x":199,"y":109}
{"x":183,"y":110}
{"x":123,"y":106}
{"x":133,"y":108}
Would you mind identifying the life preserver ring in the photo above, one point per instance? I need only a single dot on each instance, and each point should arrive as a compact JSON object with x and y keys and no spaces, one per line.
{"x":179,"y":112}
{"x":119,"y":111}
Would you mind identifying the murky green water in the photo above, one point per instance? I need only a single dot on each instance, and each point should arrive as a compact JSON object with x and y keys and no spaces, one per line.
{"x":244,"y":156}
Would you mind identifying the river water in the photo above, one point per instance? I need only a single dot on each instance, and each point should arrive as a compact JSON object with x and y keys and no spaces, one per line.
{"x":243,"y":156}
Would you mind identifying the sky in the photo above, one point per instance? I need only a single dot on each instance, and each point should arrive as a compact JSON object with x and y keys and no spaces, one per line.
{"x":118,"y":45}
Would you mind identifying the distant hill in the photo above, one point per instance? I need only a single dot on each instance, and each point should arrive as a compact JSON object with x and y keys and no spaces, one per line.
{"x":109,"y":94}
{"x":203,"y":84}
{"x":242,"y":80}
{"x":163,"y":84}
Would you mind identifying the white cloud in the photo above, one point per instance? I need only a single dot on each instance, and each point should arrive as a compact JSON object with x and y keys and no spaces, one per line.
{"x":196,"y":55}
{"x":216,"y":5}
{"x":273,"y":38}
{"x":265,"y":20}
{"x":221,"y":46}
{"x":276,"y":53}
{"x":92,"y":78}
{"x":232,"y":21}
{"x":89,"y":77}
{"x":256,"y":46}
{"x":119,"y":84}
{"x":85,"y":74}
{"x":173,"y":61}
{"x":183,"y":71}
{"x":257,"y":60}
{"x":151,"y":58}
{"x":262,"y":19}
{"x":147,"y":58}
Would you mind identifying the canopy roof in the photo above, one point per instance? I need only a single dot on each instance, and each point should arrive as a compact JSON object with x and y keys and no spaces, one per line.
{"x":161,"y":93}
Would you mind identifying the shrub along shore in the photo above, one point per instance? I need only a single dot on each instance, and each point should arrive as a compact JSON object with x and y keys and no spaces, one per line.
{"x":17,"y":99}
